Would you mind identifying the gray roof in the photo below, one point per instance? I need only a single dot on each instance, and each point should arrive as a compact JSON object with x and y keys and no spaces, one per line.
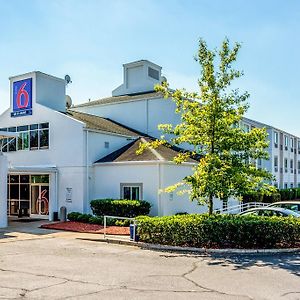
{"x":101,"y":124}
{"x":128,"y":153}
{"x":123,"y":98}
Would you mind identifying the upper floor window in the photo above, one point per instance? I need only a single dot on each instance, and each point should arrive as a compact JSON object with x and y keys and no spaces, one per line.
{"x":292,"y":166}
{"x":292,"y":144}
{"x":285,"y":165}
{"x":276,"y":163}
{"x":275,"y":139}
{"x":259,"y":163}
{"x":286,"y":142}
{"x":31,"y":137}
{"x":298,"y":146}
{"x":246,"y":128}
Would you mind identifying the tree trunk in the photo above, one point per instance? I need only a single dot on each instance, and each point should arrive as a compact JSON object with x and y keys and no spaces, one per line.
{"x":210,"y":205}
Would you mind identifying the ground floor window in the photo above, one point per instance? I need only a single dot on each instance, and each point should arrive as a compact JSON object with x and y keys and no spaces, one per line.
{"x":27,"y":195}
{"x":132,"y":191}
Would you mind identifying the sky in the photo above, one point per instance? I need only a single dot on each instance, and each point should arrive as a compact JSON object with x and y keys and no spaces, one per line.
{"x":91,"y":39}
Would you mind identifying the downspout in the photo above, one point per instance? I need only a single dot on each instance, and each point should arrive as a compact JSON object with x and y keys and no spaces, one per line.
{"x":147,"y":116}
{"x":160,"y":204}
{"x":87,"y":171}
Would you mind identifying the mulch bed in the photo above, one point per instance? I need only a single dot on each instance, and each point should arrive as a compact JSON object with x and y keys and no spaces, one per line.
{"x":86,"y":228}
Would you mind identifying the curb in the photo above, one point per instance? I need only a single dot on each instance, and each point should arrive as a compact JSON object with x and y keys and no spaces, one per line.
{"x":218,"y":251}
{"x":157,"y":247}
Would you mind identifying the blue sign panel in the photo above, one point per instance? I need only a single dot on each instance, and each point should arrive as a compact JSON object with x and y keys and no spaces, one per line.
{"x":22,"y":98}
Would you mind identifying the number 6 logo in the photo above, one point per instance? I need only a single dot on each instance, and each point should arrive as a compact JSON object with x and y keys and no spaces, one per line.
{"x":24,"y":93}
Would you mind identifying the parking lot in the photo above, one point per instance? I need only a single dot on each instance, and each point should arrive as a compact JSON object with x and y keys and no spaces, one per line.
{"x":41,"y":264}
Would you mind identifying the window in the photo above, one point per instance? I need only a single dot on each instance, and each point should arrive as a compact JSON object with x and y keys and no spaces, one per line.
{"x":246,"y":128}
{"x":285,"y":185}
{"x":298,"y":146}
{"x":276,"y":185}
{"x":298,"y":166}
{"x":131,"y":191}
{"x":286,"y":142}
{"x":275,"y":139}
{"x":31,"y":137}
{"x":285,"y":165}
{"x":153,"y":73}
{"x":292,"y":144}
{"x":276,"y":163}
{"x":292,"y":166}
{"x":292,"y":185}
{"x":259,"y":163}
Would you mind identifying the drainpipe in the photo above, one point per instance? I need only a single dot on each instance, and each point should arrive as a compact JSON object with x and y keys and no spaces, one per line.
{"x":87,"y":172}
{"x":160,"y":204}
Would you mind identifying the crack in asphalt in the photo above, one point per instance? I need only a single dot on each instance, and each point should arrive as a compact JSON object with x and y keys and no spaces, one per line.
{"x":289,"y":293}
{"x":23,"y":292}
{"x":194,"y":268}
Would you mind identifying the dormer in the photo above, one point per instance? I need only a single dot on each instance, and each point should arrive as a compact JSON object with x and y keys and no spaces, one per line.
{"x":138,"y":77}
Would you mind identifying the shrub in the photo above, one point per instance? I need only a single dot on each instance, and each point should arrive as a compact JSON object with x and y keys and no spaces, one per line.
{"x":221,"y":231}
{"x":73,"y":216}
{"x":258,"y":197}
{"x":84,"y":218}
{"x":96,"y":220}
{"x":121,"y":208}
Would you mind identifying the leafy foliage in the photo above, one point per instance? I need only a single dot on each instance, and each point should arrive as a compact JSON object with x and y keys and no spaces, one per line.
{"x":220,"y":231}
{"x":121,"y":208}
{"x":210,"y":122}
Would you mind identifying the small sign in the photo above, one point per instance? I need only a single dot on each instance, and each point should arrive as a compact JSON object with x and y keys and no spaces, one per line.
{"x":22,"y":98}
{"x":68,"y":194}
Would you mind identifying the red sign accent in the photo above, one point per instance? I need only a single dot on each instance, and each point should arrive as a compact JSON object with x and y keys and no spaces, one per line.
{"x":24,"y":93}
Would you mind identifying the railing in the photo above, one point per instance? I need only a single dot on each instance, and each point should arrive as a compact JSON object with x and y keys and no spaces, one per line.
{"x":235,"y":209}
{"x":120,"y":218}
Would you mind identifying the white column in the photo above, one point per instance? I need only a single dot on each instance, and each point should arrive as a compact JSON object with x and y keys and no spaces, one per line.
{"x":3,"y":190}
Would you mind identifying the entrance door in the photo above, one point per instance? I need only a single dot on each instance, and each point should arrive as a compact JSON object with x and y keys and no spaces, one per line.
{"x":40,"y":200}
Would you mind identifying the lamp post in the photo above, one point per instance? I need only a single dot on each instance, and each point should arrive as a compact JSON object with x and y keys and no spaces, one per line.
{"x":3,"y":179}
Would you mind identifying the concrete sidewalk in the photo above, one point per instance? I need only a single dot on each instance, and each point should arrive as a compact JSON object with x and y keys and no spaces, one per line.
{"x":31,"y":230}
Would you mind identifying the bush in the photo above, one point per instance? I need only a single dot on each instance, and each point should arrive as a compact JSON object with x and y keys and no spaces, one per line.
{"x":220,"y":231}
{"x":120,"y":208}
{"x":73,"y":216}
{"x":258,"y":197}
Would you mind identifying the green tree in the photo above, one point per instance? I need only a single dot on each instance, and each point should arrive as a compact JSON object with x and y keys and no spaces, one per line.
{"x":210,"y":123}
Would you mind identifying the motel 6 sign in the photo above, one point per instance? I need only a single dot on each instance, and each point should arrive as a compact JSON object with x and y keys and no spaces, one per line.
{"x":22,"y":98}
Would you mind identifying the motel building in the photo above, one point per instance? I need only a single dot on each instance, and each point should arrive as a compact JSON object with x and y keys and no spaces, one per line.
{"x":66,"y":156}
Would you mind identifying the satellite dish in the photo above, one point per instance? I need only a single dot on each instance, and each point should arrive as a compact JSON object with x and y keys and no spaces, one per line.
{"x":68,"y":79}
{"x":68,"y":101}
{"x":163,"y":79}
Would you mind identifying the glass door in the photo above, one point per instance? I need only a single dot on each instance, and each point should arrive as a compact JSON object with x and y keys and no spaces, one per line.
{"x":39,"y":199}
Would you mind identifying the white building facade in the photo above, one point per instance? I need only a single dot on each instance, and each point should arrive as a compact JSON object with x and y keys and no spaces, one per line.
{"x":67,"y":157}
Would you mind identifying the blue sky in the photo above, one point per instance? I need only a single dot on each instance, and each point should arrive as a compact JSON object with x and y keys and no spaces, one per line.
{"x":90,"y":40}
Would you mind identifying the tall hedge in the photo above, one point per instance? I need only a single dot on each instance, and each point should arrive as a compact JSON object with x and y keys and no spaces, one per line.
{"x":280,"y":195}
{"x":220,"y":231}
{"x":120,"y":208}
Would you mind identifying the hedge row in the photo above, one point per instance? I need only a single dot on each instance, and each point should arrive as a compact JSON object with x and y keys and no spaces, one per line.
{"x":280,"y":195}
{"x":88,"y":218}
{"x":120,"y":208}
{"x":290,"y":194}
{"x":220,"y":231}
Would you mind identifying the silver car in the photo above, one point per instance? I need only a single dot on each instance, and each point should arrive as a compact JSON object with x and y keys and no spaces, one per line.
{"x":291,"y":205}
{"x":270,"y":212}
